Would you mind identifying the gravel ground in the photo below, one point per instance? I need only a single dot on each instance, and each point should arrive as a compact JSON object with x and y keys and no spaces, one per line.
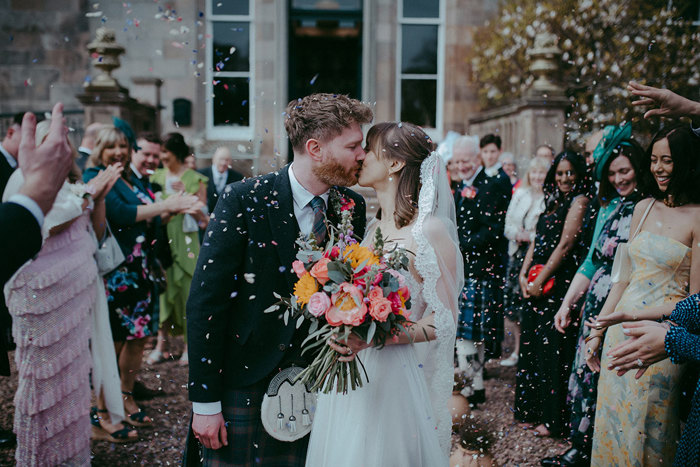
{"x":163,"y":443}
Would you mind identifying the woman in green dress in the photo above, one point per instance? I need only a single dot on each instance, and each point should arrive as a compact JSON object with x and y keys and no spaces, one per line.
{"x":183,"y":235}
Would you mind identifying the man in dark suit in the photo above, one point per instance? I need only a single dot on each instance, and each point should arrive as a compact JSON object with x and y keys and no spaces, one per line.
{"x":45,"y":169}
{"x":219,"y":174}
{"x":9,"y":149}
{"x":481,"y":203}
{"x":247,"y":254}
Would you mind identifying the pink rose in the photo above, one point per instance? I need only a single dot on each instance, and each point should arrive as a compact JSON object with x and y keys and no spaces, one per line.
{"x":319,"y":303}
{"x":380,"y":309}
{"x":320,"y":270}
{"x":298,"y":268}
{"x":375,"y":294}
{"x":347,"y":306}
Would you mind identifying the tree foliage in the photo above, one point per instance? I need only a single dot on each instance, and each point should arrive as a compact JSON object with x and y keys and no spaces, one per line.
{"x":605,"y":44}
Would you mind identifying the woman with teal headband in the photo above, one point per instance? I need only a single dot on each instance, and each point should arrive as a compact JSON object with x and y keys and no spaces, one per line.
{"x":619,"y":163}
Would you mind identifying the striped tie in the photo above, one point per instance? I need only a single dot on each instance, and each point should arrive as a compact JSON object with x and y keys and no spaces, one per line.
{"x":319,"y":227}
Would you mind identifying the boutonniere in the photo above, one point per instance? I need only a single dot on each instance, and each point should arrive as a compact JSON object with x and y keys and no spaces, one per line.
{"x":468,"y":192}
{"x":340,"y":203}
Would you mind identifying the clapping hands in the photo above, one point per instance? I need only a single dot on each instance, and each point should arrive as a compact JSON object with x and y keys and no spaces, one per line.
{"x":103,"y":182}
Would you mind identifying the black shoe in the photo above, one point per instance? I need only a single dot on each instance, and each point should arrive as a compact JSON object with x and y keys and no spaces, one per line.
{"x":7,"y":439}
{"x":571,"y":458}
{"x":479,"y":397}
{"x":142,"y":393}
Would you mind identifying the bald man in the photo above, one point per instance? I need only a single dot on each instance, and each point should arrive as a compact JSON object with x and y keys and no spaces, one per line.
{"x":220,"y":174}
{"x":87,"y":144}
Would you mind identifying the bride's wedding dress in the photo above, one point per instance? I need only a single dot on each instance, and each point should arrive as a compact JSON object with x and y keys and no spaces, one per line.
{"x":400,"y":417}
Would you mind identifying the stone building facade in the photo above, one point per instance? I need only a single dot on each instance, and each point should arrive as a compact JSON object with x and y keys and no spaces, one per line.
{"x":222,"y":71}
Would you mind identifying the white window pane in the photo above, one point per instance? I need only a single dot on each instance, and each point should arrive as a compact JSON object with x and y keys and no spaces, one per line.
{"x":231,"y":46}
{"x":421,"y":8}
{"x":230,"y":7}
{"x":419,"y":49}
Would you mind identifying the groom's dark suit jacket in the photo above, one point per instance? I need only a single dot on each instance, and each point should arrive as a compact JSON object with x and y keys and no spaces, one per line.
{"x":246,"y":255}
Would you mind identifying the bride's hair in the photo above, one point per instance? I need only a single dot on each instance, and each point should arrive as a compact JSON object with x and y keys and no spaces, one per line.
{"x":409,"y":144}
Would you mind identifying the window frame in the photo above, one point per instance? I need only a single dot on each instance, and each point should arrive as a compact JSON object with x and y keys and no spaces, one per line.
{"x":232,"y":132}
{"x":434,"y":133}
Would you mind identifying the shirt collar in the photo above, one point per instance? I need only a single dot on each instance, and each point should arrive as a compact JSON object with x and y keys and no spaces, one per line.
{"x":470,"y":182}
{"x":87,"y":151}
{"x":493,"y":170}
{"x":135,"y":171}
{"x":301,"y":195}
{"x":10,"y":160}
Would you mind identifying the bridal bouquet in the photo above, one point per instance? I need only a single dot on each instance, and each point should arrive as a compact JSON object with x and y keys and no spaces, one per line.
{"x":345,"y":288}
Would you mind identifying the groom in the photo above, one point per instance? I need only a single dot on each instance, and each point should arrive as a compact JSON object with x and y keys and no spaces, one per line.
{"x":247,"y":254}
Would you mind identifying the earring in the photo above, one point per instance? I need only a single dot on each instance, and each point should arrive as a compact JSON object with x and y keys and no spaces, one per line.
{"x":391,"y":178}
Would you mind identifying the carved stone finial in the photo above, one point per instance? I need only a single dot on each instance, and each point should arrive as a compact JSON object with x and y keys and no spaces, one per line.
{"x":105,"y":53}
{"x":545,"y":56}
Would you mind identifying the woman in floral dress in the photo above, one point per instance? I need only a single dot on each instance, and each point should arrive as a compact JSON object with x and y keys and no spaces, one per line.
{"x":617,"y":169}
{"x":129,"y":288}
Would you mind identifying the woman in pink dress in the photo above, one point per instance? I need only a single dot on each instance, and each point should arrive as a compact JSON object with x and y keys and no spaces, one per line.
{"x":51,"y":299}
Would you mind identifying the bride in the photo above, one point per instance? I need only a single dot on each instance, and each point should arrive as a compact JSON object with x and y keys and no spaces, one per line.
{"x":400,"y":417}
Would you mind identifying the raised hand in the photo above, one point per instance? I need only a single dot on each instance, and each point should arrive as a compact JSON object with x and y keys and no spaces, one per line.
{"x":44,"y":167}
{"x":104,"y":181}
{"x":644,"y":348}
{"x":181,"y":203}
{"x":669,"y":103}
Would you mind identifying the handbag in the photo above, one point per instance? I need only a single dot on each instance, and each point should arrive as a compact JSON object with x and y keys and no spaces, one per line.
{"x":109,"y":254}
{"x":622,"y":264}
{"x":287,"y":406}
{"x":534,"y":272}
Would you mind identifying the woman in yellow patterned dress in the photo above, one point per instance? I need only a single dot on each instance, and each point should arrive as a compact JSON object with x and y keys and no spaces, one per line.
{"x":183,"y":235}
{"x":637,"y":419}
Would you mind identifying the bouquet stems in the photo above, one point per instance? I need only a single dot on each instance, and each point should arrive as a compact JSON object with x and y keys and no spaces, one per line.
{"x":326,"y":373}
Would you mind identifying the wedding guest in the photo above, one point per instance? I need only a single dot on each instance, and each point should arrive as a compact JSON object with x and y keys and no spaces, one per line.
{"x":87,"y":144}
{"x":22,"y":215}
{"x":219,"y":174}
{"x":52,"y":299}
{"x":619,"y":166}
{"x":521,"y":218}
{"x":649,"y":342}
{"x":545,"y":354}
{"x":183,"y":237}
{"x":507,"y":161}
{"x":546,"y":151}
{"x":637,"y":421}
{"x":236,"y":349}
{"x":481,"y":204}
{"x":129,"y":288}
{"x":9,"y":149}
{"x":191,"y":162}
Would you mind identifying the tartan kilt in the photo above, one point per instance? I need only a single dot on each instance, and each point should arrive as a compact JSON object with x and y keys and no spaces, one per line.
{"x":481,"y":313}
{"x":248,"y":442}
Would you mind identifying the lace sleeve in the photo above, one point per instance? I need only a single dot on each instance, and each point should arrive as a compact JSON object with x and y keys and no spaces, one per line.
{"x":439,"y":263}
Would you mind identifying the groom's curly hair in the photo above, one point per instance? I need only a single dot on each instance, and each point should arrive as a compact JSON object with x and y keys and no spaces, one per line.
{"x":409,"y":144}
{"x":322,"y":116}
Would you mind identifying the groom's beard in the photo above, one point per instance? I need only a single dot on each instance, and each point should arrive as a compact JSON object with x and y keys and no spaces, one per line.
{"x":332,"y":173}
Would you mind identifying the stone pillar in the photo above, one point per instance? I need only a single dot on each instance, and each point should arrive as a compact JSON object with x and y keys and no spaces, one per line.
{"x":104,"y":97}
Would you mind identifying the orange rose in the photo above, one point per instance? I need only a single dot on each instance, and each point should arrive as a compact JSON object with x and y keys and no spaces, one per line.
{"x":380,"y":309}
{"x":320,"y":270}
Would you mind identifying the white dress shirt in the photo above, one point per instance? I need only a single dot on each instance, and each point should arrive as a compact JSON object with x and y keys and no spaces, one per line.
{"x":493,"y":170}
{"x":305,"y":218}
{"x":219,"y":179}
{"x":470,"y":181}
{"x":10,"y":160}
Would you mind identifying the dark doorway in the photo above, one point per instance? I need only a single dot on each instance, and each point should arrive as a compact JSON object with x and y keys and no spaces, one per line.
{"x":325,"y":48}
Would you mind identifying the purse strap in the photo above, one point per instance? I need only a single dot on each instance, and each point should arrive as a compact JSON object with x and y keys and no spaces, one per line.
{"x":644,"y":217}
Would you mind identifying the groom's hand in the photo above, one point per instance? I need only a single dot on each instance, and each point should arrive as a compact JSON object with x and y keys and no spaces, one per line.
{"x":210,"y":430}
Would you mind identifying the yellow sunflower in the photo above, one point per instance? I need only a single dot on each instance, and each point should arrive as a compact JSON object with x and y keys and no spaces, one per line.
{"x":357,"y":254}
{"x":305,"y":287}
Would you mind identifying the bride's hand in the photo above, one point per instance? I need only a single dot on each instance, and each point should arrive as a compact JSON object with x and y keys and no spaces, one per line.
{"x":349,"y":348}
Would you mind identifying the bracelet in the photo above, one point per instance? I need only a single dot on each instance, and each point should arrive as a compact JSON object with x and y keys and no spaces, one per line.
{"x":591,"y":337}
